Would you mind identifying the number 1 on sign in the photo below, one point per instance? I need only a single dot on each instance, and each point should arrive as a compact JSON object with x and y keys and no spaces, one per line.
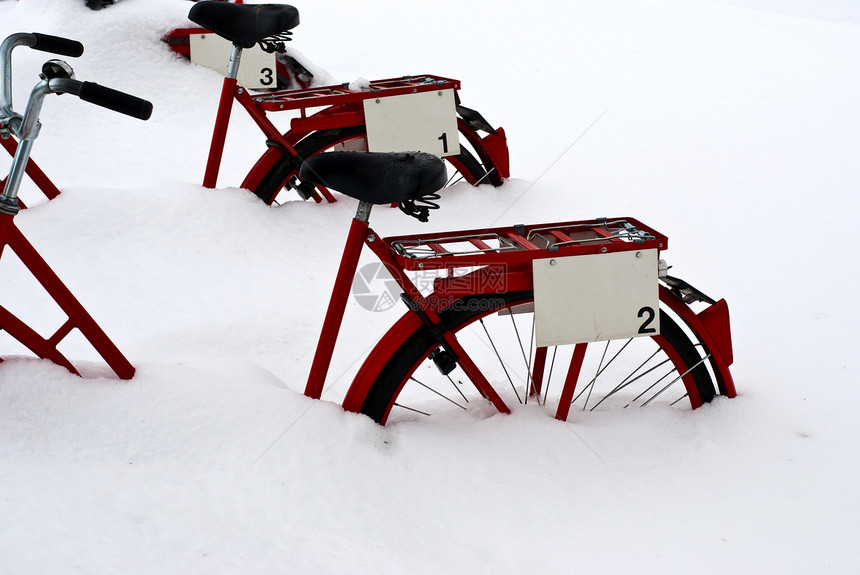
{"x":413,"y":123}
{"x":444,"y":138}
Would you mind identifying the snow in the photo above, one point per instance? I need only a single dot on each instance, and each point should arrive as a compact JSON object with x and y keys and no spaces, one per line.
{"x":731,"y":126}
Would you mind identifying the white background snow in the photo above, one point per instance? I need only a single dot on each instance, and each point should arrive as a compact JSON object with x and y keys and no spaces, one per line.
{"x":730,"y":126}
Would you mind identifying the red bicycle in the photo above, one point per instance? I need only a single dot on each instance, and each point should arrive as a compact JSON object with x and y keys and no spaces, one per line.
{"x":419,"y":113}
{"x":575,"y":314}
{"x":579,"y":313}
{"x":18,"y":134}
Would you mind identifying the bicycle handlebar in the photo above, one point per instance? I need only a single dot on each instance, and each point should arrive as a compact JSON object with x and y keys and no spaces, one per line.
{"x":58,"y":78}
{"x":115,"y":100}
{"x":56,"y":45}
{"x":103,"y":96}
{"x":43,"y":42}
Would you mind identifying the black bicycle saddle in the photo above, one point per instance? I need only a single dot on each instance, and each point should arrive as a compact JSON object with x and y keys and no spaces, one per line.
{"x":377,"y":177}
{"x":244,"y":24}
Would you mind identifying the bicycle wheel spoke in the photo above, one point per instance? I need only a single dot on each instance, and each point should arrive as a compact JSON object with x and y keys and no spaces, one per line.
{"x":485,"y":176}
{"x":600,"y":369}
{"x":656,"y":395}
{"x":593,"y":382}
{"x":439,"y":393}
{"x":455,"y":178}
{"x":525,"y":359}
{"x":457,"y":387}
{"x":650,"y":387}
{"x":671,"y":383}
{"x":657,"y":382}
{"x":549,"y":376}
{"x":685,"y":396}
{"x":501,"y":362}
{"x":412,"y":409}
{"x":630,"y":379}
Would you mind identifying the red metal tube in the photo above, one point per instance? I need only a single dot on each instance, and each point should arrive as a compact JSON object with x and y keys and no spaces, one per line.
{"x":219,"y":134}
{"x":336,"y":308}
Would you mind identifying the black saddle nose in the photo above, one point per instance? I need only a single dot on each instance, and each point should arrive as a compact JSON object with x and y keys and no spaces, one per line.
{"x":377,"y":177}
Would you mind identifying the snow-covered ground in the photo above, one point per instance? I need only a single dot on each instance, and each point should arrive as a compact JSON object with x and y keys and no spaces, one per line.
{"x":731,"y":126}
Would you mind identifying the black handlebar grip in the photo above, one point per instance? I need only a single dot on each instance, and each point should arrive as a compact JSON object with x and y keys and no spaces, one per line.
{"x":115,"y":100}
{"x":57,"y":45}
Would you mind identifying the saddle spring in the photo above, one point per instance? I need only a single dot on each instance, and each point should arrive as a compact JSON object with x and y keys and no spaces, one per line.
{"x":419,"y":208}
{"x":275,"y":44}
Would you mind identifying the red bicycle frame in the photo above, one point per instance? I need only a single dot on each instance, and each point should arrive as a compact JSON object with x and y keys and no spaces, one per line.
{"x":77,"y":315}
{"x":26,"y":128}
{"x":504,"y":259}
{"x":342,"y":107}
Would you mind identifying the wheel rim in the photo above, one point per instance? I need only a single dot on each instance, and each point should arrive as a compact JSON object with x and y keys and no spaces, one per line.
{"x":616,"y":374}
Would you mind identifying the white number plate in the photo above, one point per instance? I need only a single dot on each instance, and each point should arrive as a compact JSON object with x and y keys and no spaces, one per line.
{"x":596,"y":297}
{"x":422,"y":122}
{"x":256,"y":68}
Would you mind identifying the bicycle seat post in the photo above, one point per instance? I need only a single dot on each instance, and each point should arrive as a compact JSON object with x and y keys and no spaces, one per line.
{"x":222,"y":118}
{"x":244,"y":26}
{"x":358,"y":232}
{"x":233,"y":64}
{"x":371,"y":178}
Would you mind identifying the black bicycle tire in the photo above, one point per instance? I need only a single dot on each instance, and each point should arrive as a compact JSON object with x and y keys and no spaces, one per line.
{"x":421,"y":342}
{"x":273,"y":181}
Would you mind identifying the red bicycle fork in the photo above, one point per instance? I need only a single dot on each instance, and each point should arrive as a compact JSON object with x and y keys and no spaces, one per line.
{"x":361,"y":234}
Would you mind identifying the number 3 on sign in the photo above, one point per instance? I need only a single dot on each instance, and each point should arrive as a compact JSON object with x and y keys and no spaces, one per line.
{"x":256,"y":69}
{"x":266,"y":77}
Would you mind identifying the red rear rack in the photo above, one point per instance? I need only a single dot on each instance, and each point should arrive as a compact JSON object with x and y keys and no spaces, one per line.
{"x":342,"y":93}
{"x":522,"y":244}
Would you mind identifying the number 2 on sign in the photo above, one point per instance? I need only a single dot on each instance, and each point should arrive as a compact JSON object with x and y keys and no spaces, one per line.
{"x":649,"y":312}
